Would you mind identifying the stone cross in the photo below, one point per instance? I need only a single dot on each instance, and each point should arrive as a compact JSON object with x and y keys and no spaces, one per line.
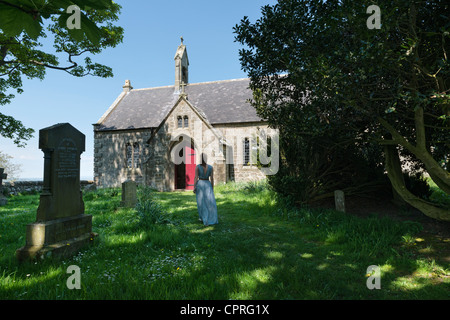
{"x":3,"y":200}
{"x":339,"y":200}
{"x":61,"y":226}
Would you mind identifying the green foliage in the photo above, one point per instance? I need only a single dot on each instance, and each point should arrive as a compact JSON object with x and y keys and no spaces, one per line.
{"x":22,"y":25}
{"x":338,"y":91}
{"x":148,"y":210}
{"x":17,"y":16}
{"x":418,"y":185}
{"x":100,"y":193}
{"x":438,"y":196}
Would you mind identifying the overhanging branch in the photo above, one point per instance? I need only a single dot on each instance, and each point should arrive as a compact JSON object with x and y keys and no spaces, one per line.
{"x":54,"y":67}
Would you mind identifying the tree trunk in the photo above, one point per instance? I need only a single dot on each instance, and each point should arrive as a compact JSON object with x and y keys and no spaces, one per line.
{"x":438,"y":174}
{"x":395,"y":175}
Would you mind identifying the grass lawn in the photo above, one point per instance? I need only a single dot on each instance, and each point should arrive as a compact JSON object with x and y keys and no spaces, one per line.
{"x":261,"y":249}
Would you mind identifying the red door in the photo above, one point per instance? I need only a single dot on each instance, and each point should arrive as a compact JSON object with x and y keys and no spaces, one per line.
{"x":190,"y":167}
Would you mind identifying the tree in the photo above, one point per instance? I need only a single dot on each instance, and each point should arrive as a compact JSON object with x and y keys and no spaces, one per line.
{"x":11,"y":169}
{"x":24,"y":22}
{"x":317,"y":67}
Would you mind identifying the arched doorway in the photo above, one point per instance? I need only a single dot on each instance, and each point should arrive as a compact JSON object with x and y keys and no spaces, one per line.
{"x":185,"y":165}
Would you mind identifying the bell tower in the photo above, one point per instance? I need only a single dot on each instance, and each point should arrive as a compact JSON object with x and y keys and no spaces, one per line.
{"x":181,"y":66}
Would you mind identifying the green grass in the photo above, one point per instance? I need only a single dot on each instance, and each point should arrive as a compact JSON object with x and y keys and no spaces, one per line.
{"x":261,"y":249}
{"x":438,"y":196}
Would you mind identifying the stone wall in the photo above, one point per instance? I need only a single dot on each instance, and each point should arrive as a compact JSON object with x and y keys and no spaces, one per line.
{"x":16,"y":187}
{"x":235,"y":135}
{"x":110,"y":159}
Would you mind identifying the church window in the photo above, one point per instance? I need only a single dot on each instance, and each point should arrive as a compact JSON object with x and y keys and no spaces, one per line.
{"x":186,"y":121}
{"x":136,"y":155}
{"x":180,"y":122}
{"x":133,"y":152}
{"x":246,"y":152}
{"x":129,"y":155}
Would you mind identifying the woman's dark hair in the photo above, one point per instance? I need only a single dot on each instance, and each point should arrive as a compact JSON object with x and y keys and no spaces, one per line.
{"x":204,"y":158}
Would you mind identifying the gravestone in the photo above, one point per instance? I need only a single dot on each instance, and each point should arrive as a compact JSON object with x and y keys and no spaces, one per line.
{"x":129,"y":197}
{"x":339,"y":200}
{"x":3,"y":200}
{"x":61,"y":227}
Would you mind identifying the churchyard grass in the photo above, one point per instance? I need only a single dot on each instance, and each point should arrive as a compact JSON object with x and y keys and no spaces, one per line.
{"x":261,"y":249}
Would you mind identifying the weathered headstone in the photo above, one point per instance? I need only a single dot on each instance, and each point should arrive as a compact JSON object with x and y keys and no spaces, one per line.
{"x":129,"y":197}
{"x":61,"y":227}
{"x":3,"y":200}
{"x":339,"y":200}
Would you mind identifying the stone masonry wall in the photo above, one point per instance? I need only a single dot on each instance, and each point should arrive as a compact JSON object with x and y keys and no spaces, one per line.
{"x":110,"y":160}
{"x":16,"y":187}
{"x":235,"y":135}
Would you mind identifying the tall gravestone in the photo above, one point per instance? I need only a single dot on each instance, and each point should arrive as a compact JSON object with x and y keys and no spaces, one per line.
{"x":129,"y":196}
{"x":61,"y":227}
{"x":3,"y":200}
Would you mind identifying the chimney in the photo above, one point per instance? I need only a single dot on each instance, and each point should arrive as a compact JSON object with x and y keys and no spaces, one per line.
{"x":127,"y":87}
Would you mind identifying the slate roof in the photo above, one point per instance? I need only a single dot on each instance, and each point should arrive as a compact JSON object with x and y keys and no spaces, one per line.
{"x":220,"y":101}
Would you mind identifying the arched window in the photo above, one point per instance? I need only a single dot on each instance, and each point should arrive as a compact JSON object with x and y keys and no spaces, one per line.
{"x":129,"y":155}
{"x":136,"y":155}
{"x":133,"y":153}
{"x":180,"y":122}
{"x":186,"y":121}
{"x":246,"y":150}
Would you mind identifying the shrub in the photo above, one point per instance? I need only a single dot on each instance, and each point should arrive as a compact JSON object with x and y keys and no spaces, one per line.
{"x":148,"y":210}
{"x":418,"y":185}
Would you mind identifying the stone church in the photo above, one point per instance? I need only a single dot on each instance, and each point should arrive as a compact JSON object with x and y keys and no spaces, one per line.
{"x":155,"y":136}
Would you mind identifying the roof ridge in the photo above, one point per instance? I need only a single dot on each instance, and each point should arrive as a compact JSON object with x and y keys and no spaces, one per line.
{"x":218,"y":81}
{"x":151,"y":88}
{"x":192,"y":84}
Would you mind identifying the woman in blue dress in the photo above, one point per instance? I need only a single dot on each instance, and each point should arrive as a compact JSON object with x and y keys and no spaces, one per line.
{"x":204,"y":190}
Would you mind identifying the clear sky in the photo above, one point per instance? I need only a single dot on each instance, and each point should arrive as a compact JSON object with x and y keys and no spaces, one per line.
{"x":152,"y":35}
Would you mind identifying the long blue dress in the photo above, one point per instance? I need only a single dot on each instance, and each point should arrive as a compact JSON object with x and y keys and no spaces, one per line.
{"x":206,"y":202}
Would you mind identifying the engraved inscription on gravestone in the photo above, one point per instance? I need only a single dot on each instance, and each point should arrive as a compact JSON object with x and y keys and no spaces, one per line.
{"x":67,"y":159}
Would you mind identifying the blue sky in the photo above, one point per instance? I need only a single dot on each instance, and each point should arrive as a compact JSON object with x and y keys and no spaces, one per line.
{"x":152,"y":35}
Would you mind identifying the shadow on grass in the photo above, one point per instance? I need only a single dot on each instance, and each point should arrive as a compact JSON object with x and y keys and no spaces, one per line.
{"x":257,"y":251}
{"x":312,"y":255}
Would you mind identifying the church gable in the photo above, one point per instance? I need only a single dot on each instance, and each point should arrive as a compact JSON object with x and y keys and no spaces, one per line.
{"x":184,"y":121}
{"x":184,"y":118}
{"x":177,"y":125}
